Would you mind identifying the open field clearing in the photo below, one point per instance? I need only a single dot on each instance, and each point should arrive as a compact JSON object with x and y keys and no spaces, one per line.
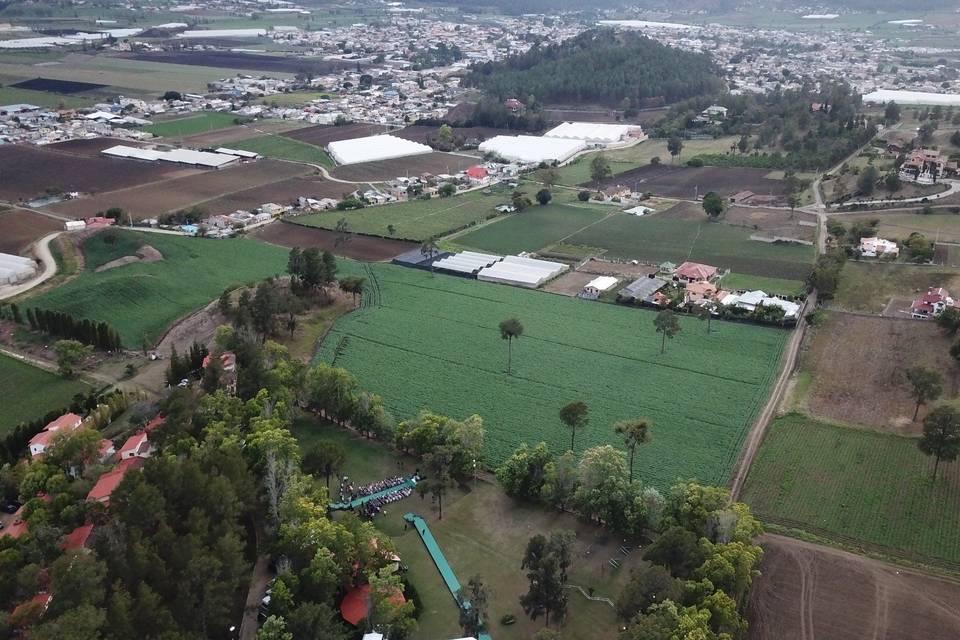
{"x":692,"y":182}
{"x":654,"y":239}
{"x":191,"y":125}
{"x":284,"y":148}
{"x":869,"y":286}
{"x":238,"y":60}
{"x":766,"y":222}
{"x":776,"y":286}
{"x":434,"y":343}
{"x":145,"y":77}
{"x":416,"y":219}
{"x":166,"y":196}
{"x":432,"y":163}
{"x":19,"y":229}
{"x":861,"y":487}
{"x":482,"y":531}
{"x":533,"y":229}
{"x":29,"y":393}
{"x":366,"y":248}
{"x":226,"y":137}
{"x":141,"y":300}
{"x":857,"y":366}
{"x":322,"y":135}
{"x":941,"y":226}
{"x":89,"y":147}
{"x":13,"y":95}
{"x":28,"y":172}
{"x":809,"y":591}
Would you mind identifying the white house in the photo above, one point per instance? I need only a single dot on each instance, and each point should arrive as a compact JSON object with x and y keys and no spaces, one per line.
{"x":65,"y":423}
{"x":597,"y":286}
{"x":876,"y":247}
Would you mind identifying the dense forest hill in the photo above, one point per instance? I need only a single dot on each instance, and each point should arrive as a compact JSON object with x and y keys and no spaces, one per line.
{"x":600,"y":67}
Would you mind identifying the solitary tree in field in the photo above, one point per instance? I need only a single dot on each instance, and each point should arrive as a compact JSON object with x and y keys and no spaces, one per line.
{"x":926,"y":385}
{"x":941,"y":435}
{"x":600,"y":169}
{"x":667,"y":326}
{"x":633,"y":432}
{"x":675,"y":147}
{"x":510,"y":329}
{"x":575,"y":416}
{"x":326,"y":459}
{"x":429,"y":249}
{"x":949,"y":320}
{"x":439,"y":479}
{"x":548,"y":177}
{"x":704,"y":314}
{"x":793,"y":201}
{"x":713,"y":205}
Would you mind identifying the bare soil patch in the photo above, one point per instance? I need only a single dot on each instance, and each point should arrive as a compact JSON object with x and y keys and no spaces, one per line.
{"x":358,"y":247}
{"x":569,"y":284}
{"x":764,"y":222}
{"x":620,"y":269}
{"x":858,"y":368}
{"x":808,"y":592}
{"x":238,"y":60}
{"x":90,"y":147}
{"x":283,"y":192}
{"x":27,"y":172}
{"x":322,"y":135}
{"x":432,"y":163}
{"x":180,"y":193}
{"x":223,"y":137}
{"x":688,"y":182}
{"x":146,"y":253}
{"x":19,"y":229}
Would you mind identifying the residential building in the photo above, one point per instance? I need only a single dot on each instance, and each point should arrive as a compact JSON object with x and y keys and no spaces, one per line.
{"x":695,"y":272}
{"x":596,"y":287}
{"x":931,"y":304}
{"x":878,"y":247}
{"x":67,"y":423}
{"x":137,"y":446}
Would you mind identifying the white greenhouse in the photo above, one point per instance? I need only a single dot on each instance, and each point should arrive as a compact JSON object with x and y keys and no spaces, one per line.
{"x":373,"y":148}
{"x":522,"y":272}
{"x":532,"y":149}
{"x":596,"y":133}
{"x":16,"y":269}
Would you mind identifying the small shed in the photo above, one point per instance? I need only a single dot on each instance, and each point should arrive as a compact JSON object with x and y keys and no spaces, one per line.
{"x":593,"y":289}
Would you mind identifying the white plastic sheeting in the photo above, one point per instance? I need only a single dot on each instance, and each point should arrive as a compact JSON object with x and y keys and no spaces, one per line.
{"x":182,"y":156}
{"x":882,"y":96}
{"x":373,"y":148}
{"x":15,"y":269}
{"x":593,"y":132}
{"x":532,"y":149}
{"x":521,"y":272}
{"x":467,"y":262}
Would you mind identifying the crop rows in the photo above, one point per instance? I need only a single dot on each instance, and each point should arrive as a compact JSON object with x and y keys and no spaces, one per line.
{"x":434,"y":343}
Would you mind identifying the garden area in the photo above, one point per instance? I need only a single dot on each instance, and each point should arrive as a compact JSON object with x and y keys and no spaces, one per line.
{"x":29,"y":393}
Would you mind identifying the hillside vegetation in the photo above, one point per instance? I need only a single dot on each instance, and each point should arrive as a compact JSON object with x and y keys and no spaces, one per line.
{"x":600,"y":66}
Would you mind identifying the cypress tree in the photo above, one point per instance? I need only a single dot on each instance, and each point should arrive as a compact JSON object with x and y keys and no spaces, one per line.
{"x":16,"y":313}
{"x":32,"y":318}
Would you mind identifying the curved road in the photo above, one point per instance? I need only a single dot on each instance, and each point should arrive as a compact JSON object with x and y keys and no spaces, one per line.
{"x":42,"y":250}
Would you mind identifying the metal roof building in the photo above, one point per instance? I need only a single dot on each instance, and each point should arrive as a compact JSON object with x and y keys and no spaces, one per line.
{"x":374,"y":148}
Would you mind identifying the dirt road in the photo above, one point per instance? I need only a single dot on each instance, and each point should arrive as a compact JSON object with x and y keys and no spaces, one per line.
{"x":42,"y":251}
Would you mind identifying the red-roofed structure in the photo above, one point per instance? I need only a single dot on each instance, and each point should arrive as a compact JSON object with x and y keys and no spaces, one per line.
{"x":356,"y":604}
{"x":77,"y":539}
{"x":695,"y":272}
{"x":106,"y":450}
{"x":153,"y":424}
{"x":67,"y":422}
{"x":931,"y":304}
{"x":136,"y":446}
{"x":109,"y":481}
{"x":476,"y":173}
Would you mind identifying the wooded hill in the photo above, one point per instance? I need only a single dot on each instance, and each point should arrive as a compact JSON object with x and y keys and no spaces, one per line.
{"x":600,"y":66}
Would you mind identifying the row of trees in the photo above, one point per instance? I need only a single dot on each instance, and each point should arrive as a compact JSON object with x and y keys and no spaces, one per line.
{"x":63,"y":325}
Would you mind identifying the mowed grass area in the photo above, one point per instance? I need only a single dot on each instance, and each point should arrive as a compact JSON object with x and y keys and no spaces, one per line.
{"x":433,"y":341}
{"x":858,"y":485}
{"x":13,"y":95}
{"x":532,"y":229}
{"x":29,"y":393}
{"x":779,"y":286}
{"x":142,"y":299}
{"x":655,"y":239}
{"x":416,"y":220}
{"x":869,"y":286}
{"x":482,"y":532}
{"x":207,"y":121}
{"x":944,"y":227}
{"x":284,"y":148}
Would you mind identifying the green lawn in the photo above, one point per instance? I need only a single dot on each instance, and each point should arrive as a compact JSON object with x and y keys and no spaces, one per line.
{"x":434,"y":342}
{"x":482,"y":532}
{"x":655,"y":239}
{"x":293,"y":99}
{"x":143,"y":299}
{"x":12,"y":95}
{"x":869,"y":286}
{"x":780,"y":286}
{"x":206,"y":121}
{"x":284,"y":148}
{"x":29,"y":393}
{"x":857,"y":485}
{"x":532,"y":229}
{"x":417,"y":219}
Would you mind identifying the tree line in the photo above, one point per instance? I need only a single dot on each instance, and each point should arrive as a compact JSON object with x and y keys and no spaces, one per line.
{"x":60,"y":324}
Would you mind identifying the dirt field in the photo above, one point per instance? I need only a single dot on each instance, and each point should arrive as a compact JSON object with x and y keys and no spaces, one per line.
{"x":57,"y":86}
{"x":434,"y":163}
{"x":674,"y":181}
{"x":626,"y":270}
{"x":322,"y":135}
{"x":18,"y":229}
{"x":357,"y":247}
{"x":223,"y":137}
{"x":172,"y":195}
{"x":808,"y":592}
{"x":283,"y":192}
{"x":569,"y":284}
{"x":27,"y":172}
{"x":765,"y":222}
{"x":251,"y":61}
{"x":89,"y":147}
{"x":858,"y":364}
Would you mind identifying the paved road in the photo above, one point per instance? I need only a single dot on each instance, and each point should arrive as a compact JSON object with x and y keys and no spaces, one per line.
{"x":42,"y":250}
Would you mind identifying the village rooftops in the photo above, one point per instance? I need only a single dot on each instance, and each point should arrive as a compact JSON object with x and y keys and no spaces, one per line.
{"x":694,"y":271}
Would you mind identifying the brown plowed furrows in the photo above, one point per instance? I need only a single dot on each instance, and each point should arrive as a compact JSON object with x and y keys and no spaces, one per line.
{"x":810,"y":592}
{"x":357,"y":247}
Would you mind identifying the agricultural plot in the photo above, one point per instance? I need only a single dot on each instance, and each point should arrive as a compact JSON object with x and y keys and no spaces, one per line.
{"x":869,"y":286}
{"x":29,"y":393}
{"x":432,"y":163}
{"x":690,"y":182}
{"x":415,"y":220}
{"x":285,"y":148}
{"x":865,"y":488}
{"x":654,"y":239}
{"x":322,"y":135}
{"x":433,"y":341}
{"x":208,"y":121}
{"x":19,"y":229}
{"x":13,"y":95}
{"x":57,"y":86}
{"x":253,"y":61}
{"x":365,"y":248}
{"x":941,"y":226}
{"x":535,"y":228}
{"x":142,"y":299}
{"x":282,"y":192}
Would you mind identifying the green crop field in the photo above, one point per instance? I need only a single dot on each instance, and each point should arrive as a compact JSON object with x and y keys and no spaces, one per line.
{"x":725,"y":246}
{"x":143,"y":299}
{"x":869,"y":286}
{"x":29,"y":393}
{"x":433,"y":341}
{"x":778,"y":286}
{"x":532,"y":229}
{"x":417,"y":219}
{"x":284,"y":148}
{"x":855,"y":484}
{"x":12,"y":95}
{"x":207,"y":121}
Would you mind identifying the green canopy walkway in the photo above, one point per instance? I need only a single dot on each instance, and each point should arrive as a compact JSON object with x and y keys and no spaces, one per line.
{"x":353,"y":504}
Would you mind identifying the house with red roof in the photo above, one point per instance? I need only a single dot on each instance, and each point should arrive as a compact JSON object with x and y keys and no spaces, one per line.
{"x":106,"y":450}
{"x":68,"y":422}
{"x":109,"y":481}
{"x":355,"y":606}
{"x":228,"y":362}
{"x":931,"y":304}
{"x":477,"y":174}
{"x":77,"y":539}
{"x":695,"y":272}
{"x":19,"y":526}
{"x":29,"y":612}
{"x":137,"y":446}
{"x":153,"y":424}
